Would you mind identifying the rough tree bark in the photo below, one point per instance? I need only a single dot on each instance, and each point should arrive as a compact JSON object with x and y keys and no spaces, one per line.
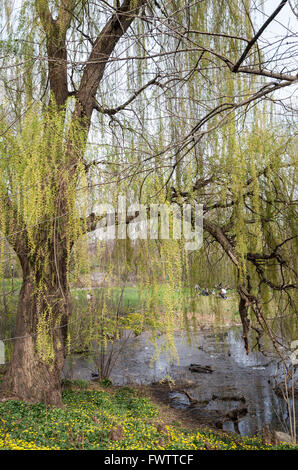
{"x":29,"y":376}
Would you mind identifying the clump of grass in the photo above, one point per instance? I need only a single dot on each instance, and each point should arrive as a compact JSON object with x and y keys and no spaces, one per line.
{"x":106,"y":382}
{"x":89,"y":417}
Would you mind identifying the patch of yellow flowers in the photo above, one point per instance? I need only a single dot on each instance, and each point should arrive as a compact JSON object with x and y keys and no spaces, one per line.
{"x":6,"y":442}
{"x":89,"y":419}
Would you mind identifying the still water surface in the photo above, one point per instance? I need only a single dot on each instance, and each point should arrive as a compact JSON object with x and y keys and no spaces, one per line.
{"x":235,"y":375}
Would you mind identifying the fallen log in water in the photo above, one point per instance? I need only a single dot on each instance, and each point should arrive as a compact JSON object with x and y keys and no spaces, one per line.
{"x":201,"y":369}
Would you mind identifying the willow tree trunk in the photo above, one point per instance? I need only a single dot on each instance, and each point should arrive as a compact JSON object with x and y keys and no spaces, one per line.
{"x":35,"y":375}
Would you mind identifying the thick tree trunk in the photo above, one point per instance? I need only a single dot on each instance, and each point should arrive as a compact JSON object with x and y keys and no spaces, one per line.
{"x":32,"y":376}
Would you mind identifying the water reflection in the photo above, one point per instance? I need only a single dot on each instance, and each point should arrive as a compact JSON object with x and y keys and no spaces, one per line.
{"x":235,"y":375}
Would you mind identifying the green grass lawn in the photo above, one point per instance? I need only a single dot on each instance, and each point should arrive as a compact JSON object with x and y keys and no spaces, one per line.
{"x":132,"y":298}
{"x":106,"y":419}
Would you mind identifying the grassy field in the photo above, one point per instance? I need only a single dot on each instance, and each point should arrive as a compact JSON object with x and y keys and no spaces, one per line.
{"x":210,"y":310}
{"x":107,"y":418}
{"x":131,"y":296}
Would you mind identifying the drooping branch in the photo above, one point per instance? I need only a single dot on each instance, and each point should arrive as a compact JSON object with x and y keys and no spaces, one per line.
{"x":245,"y":299}
{"x":227,"y":243}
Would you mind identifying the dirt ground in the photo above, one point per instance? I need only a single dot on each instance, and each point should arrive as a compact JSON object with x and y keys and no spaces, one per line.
{"x":158,"y":393}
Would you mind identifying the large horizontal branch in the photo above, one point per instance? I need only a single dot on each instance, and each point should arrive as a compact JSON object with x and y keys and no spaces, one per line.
{"x":268,"y":73}
{"x":90,"y":223}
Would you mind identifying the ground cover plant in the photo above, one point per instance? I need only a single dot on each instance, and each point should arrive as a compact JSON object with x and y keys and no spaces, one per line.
{"x":107,"y":418}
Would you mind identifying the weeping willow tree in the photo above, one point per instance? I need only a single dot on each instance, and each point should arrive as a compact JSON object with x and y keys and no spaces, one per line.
{"x":163,"y":100}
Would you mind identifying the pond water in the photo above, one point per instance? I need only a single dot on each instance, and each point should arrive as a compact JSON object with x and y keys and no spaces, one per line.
{"x":238,"y":381}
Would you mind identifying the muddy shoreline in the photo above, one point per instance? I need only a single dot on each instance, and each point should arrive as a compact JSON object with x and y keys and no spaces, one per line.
{"x":160,"y":394}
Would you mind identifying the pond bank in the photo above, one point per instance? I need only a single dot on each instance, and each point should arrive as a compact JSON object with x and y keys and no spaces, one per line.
{"x":109,"y":418}
{"x":236,"y":395}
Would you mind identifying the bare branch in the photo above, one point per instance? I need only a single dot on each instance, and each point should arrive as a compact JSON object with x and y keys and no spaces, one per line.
{"x":255,"y":38}
{"x":112,"y":111}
